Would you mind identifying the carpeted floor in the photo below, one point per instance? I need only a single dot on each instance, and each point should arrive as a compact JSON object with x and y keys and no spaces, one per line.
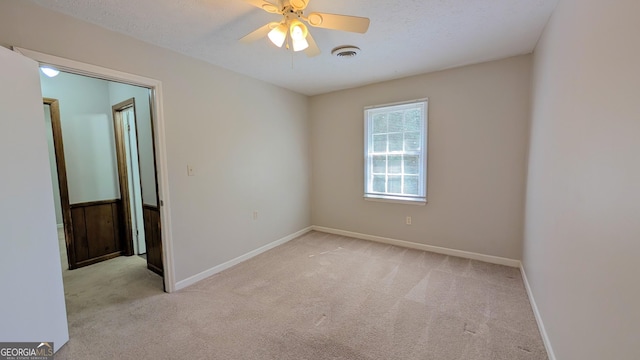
{"x":319,"y":296}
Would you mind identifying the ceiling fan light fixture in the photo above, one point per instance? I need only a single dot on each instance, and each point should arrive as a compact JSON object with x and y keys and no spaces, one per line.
{"x":292,"y":34}
{"x":300,"y":44}
{"x":298,"y":30}
{"x":299,"y":34}
{"x":278,"y":35}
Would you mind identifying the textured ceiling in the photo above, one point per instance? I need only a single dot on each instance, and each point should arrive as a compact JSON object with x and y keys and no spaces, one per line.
{"x":406,"y":37}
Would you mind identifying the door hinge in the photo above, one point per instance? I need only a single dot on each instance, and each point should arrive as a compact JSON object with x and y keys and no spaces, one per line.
{"x":161,"y":203}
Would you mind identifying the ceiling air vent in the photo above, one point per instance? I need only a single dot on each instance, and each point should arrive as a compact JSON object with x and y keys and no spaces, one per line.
{"x":346,"y":52}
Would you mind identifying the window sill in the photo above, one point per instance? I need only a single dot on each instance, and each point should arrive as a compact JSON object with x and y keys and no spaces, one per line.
{"x":395,"y":200}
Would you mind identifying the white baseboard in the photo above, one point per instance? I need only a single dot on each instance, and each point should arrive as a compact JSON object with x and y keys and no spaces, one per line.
{"x":536,"y":312}
{"x":436,"y":249}
{"x":216,"y":269}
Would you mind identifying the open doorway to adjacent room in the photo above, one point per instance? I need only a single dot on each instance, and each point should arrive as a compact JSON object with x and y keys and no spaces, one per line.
{"x":103,"y":164}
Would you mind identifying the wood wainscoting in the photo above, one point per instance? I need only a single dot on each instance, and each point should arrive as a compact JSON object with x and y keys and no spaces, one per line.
{"x":153,"y":238}
{"x":96,"y":232}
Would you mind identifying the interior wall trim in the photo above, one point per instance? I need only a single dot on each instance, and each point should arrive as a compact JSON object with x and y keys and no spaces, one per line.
{"x":216,"y":269}
{"x":94,"y":203}
{"x":411,"y":245}
{"x":538,"y":316}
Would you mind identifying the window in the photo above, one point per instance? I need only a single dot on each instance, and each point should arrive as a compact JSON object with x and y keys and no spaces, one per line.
{"x":395,"y":150}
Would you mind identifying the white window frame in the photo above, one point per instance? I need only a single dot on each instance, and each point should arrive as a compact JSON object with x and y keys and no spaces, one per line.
{"x":369,"y":194}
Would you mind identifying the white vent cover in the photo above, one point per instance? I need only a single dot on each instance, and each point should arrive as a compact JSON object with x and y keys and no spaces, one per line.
{"x":345,"y":51}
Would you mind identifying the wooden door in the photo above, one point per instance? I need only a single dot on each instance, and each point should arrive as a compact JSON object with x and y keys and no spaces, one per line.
{"x":93,"y":228}
{"x":152,"y":223}
{"x":150,"y":208}
{"x":152,"y":231}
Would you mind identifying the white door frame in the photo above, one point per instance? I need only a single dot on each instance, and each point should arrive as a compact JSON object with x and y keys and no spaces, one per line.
{"x":159,"y":134}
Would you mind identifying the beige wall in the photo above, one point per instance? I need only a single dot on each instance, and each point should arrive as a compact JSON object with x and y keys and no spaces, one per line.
{"x":582,"y":236}
{"x":249,"y":143}
{"x":247,"y":140}
{"x":478,"y":128}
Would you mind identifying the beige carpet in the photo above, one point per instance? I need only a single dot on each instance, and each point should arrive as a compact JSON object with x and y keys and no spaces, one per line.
{"x":319,"y":296}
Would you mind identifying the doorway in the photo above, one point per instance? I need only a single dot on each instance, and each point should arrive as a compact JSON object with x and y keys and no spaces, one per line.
{"x":100,"y":170}
{"x":124,"y":120}
{"x":143,"y":227}
{"x":58,"y":177}
{"x":161,"y":209}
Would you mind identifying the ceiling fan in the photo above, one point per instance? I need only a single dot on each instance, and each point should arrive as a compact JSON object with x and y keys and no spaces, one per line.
{"x":293,"y":32}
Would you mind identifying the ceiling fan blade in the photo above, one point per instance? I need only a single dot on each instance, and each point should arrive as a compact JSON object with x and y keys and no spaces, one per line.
{"x":265,"y":5}
{"x":339,"y":22}
{"x":299,"y":4}
{"x":258,"y":33}
{"x":313,"y":49}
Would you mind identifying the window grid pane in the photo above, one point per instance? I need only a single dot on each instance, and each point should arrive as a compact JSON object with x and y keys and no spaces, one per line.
{"x":380,"y":143}
{"x":379,"y":164}
{"x":395,"y":150}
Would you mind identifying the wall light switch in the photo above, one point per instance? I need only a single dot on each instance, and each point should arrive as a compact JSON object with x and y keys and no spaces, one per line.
{"x":190,"y":171}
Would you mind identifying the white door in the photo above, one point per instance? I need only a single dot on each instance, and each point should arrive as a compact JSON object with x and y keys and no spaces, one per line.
{"x":30,"y":269}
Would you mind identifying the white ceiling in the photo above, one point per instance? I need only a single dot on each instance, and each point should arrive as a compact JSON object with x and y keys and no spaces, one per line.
{"x":406,"y":37}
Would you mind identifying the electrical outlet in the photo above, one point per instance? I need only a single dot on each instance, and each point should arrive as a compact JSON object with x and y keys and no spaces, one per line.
{"x":255,"y":215}
{"x":190,"y":171}
{"x":408,"y":220}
